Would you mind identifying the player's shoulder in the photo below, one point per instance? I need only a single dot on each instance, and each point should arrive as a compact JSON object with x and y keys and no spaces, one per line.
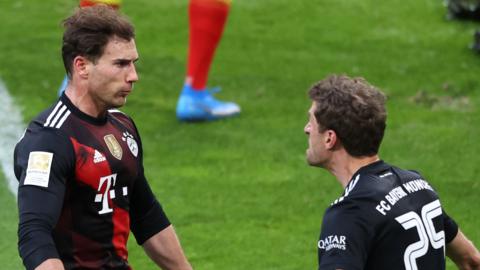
{"x":118,"y":113}
{"x":381,"y":176}
{"x":125,"y":124}
{"x":121,"y":117}
{"x":39,"y":136}
{"x":46,"y":126}
{"x":356,"y":204}
{"x":54,"y":117}
{"x":370,"y":183}
{"x":375,"y":182}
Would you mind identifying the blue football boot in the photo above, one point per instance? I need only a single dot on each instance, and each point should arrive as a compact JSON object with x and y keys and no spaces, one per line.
{"x":202,"y":105}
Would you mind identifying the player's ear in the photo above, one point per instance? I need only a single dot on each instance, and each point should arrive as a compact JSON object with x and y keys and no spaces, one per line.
{"x":330,"y":139}
{"x":82,"y":66}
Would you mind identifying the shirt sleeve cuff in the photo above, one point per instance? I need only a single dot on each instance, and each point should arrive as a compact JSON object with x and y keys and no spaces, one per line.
{"x":41,"y":254}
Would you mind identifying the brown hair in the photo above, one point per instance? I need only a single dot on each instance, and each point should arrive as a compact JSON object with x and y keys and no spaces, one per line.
{"x":354,"y":109}
{"x":88,"y":31}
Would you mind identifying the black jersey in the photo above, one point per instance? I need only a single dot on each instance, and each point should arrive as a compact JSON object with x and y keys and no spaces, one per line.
{"x":82,"y":188}
{"x":387,"y":218}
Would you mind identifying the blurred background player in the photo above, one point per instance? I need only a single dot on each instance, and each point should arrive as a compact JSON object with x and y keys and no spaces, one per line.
{"x":206,"y":23}
{"x":113,"y":3}
{"x":207,"y":19}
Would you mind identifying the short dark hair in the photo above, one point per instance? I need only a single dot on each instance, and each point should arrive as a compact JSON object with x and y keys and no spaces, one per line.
{"x":354,"y":109}
{"x":88,"y":31}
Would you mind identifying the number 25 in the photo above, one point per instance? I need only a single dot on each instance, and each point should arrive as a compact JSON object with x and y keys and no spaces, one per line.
{"x":425,"y":230}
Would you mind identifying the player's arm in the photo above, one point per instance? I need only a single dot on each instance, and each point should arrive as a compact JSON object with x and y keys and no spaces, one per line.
{"x":153,"y":230}
{"x":462,"y":251}
{"x":165,"y":250}
{"x":40,"y":165}
{"x":459,"y":249}
{"x":352,"y":232}
{"x":151,"y":226}
{"x":51,"y":264}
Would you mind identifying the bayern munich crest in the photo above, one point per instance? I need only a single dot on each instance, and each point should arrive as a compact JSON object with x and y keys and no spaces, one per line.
{"x":131,"y":143}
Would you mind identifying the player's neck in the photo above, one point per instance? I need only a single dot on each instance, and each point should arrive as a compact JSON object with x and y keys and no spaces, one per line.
{"x":344,"y":166}
{"x":84,"y":102}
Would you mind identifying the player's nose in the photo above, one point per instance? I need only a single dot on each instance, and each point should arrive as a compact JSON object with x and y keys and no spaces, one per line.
{"x":306,"y":129}
{"x":132,"y":74}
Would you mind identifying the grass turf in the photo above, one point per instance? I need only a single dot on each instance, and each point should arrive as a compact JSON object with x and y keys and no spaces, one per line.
{"x":238,"y":191}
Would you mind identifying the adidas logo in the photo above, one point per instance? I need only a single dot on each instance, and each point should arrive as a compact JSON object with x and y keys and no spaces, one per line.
{"x":98,"y":157}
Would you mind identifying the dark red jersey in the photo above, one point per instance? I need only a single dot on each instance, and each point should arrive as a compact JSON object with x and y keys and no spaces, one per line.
{"x":82,"y":188}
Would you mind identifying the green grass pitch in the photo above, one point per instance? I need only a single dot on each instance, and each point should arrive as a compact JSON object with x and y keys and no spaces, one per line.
{"x":239,"y":191}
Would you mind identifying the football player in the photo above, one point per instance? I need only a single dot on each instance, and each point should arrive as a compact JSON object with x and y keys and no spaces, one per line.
{"x":387,"y":217}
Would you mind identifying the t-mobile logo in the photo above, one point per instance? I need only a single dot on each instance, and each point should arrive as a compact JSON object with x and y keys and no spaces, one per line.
{"x":109,"y":192}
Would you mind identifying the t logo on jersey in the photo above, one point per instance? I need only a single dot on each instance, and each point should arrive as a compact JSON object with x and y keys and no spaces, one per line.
{"x":109,"y":193}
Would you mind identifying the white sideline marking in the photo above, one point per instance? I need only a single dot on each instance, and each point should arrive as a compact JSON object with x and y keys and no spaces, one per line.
{"x":11,"y":128}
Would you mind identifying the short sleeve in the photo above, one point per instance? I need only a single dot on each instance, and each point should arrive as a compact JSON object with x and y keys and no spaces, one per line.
{"x":345,"y":238}
{"x":451,"y":228}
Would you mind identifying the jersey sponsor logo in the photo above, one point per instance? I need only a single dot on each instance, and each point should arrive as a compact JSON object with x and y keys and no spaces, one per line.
{"x":108,"y":184}
{"x":333,"y":242}
{"x":98,"y":157}
{"x":38,"y":170}
{"x":113,"y":146}
{"x":132,"y":144}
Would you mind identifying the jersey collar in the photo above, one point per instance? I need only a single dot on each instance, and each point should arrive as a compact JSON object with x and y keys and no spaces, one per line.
{"x":92,"y":120}
{"x":372,"y":168}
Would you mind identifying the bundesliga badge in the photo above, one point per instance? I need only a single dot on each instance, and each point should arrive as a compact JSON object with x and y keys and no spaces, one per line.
{"x":132,"y":144}
{"x":113,"y":146}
